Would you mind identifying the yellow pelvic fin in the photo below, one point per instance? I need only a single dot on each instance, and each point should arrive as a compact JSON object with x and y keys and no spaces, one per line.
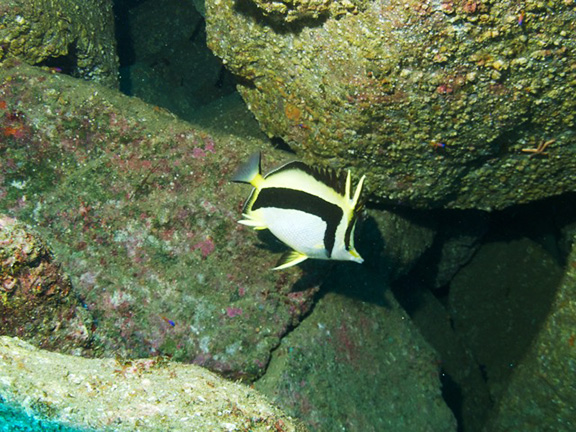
{"x":251,"y":222}
{"x":289,"y":259}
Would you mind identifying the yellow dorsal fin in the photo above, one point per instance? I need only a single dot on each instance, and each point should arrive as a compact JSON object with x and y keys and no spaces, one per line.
{"x":348,"y":186}
{"x":358,"y":191}
{"x":289,"y":259}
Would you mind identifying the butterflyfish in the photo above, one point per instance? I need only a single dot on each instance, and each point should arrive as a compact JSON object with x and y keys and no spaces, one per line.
{"x":310,"y":210}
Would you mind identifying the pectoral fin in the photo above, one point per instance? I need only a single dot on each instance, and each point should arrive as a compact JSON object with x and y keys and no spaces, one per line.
{"x":289,"y":259}
{"x":252,"y":222}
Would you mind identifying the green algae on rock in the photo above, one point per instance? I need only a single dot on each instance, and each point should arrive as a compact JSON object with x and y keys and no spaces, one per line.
{"x":138,"y":207}
{"x":540,"y":391}
{"x":498,"y":313}
{"x":358,"y":364}
{"x":37,"y":301}
{"x":77,"y":38}
{"x":141,"y":395}
{"x":440,"y":103}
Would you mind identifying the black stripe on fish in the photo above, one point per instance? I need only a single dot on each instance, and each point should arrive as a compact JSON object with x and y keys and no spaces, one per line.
{"x":348,"y":234}
{"x":355,"y":216}
{"x":291,"y":199}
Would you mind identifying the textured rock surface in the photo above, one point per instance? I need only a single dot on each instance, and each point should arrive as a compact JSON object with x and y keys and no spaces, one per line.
{"x":464,"y":387}
{"x":541,"y":394}
{"x":138,"y":208}
{"x":141,"y":395}
{"x":395,"y":240}
{"x":357,"y":364}
{"x":37,"y":301}
{"x":77,"y":38}
{"x":485,"y":322}
{"x":440,"y":102}
{"x":499,"y":301}
{"x":170,"y":64}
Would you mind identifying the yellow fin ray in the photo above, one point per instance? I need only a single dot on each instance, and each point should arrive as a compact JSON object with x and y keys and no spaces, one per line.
{"x":254,"y":223}
{"x":289,"y":259}
{"x":358,"y":192}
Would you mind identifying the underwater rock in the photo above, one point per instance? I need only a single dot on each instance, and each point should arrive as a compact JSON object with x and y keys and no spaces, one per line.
{"x":463,"y":385}
{"x":37,"y":301}
{"x":540,"y":392}
{"x":458,"y":238}
{"x":62,"y":35}
{"x":498,"y":303}
{"x":138,"y":208}
{"x":294,"y":10}
{"x":166,"y":61}
{"x":138,"y":395}
{"x":459,"y":104}
{"x":362,"y":351}
{"x":395,"y":240}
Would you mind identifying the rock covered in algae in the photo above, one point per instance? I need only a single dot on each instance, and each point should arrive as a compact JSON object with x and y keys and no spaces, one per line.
{"x":511,"y":300}
{"x":138,"y":207}
{"x":141,"y":395}
{"x":64,"y":34}
{"x":359,"y":348}
{"x":463,"y":104}
{"x":540,"y":392}
{"x":290,"y":10}
{"x":37,"y":301}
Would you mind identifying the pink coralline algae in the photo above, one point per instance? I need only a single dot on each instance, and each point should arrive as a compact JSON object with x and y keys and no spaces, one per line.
{"x":198,"y":152}
{"x":233,"y":312}
{"x":206,"y":247}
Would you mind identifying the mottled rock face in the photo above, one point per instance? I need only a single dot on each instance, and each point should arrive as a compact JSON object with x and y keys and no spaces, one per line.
{"x":139,"y":395}
{"x":36,"y":297}
{"x":354,"y":350}
{"x":64,"y":34}
{"x":543,"y":377}
{"x":462,"y":104}
{"x":291,"y":11}
{"x":139,"y":210}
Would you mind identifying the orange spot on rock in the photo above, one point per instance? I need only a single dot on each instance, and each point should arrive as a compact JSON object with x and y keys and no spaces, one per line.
{"x":16,"y":132}
{"x":292,"y":112}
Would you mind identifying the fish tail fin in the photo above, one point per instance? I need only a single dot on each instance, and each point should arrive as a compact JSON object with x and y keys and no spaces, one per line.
{"x":289,"y":259}
{"x":358,"y":192}
{"x":249,"y":172}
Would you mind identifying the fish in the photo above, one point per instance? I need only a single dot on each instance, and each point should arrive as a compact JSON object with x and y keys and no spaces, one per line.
{"x":310,"y":210}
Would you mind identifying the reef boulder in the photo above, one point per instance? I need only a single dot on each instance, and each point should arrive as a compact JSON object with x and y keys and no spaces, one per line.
{"x":37,"y":300}
{"x":77,"y":38}
{"x":359,"y":348}
{"x":460,"y":104}
{"x":138,"y":208}
{"x":51,"y":391}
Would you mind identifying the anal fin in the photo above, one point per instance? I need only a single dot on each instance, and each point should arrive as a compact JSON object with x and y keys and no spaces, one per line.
{"x":289,"y":259}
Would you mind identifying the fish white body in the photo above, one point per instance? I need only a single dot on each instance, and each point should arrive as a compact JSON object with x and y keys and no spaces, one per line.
{"x":309,"y":210}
